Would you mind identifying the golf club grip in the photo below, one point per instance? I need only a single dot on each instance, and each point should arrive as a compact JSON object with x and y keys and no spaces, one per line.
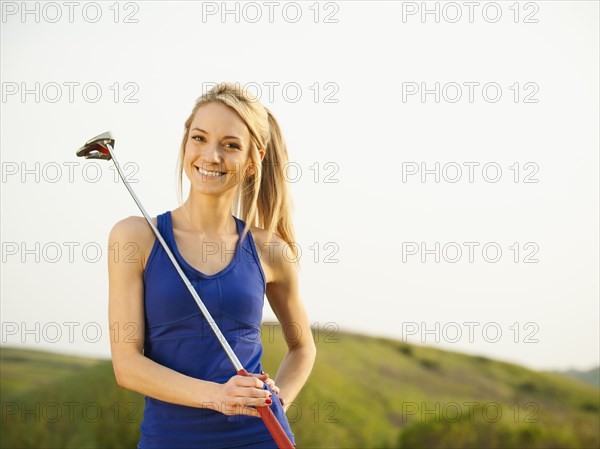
{"x":275,"y":429}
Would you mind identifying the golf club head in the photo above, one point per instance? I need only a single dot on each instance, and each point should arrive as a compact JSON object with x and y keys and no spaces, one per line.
{"x":95,"y":148}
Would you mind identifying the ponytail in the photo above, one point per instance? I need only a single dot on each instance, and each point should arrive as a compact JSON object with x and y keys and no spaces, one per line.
{"x":274,"y":199}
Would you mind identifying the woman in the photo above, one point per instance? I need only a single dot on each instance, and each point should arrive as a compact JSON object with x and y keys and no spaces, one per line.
{"x":234,"y":155}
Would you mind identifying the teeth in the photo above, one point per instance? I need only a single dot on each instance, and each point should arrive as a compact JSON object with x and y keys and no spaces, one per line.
{"x":208,"y":173}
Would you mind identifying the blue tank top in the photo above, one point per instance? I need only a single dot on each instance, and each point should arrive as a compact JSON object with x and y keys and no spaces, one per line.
{"x":178,"y":336}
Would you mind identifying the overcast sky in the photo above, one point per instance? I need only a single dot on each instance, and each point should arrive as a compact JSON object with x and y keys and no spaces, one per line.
{"x":466,"y":135}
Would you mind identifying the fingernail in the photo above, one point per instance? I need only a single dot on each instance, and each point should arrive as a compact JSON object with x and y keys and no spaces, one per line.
{"x":270,"y":395}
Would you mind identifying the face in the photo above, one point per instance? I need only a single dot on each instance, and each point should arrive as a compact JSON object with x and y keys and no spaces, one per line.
{"x":217,"y":150}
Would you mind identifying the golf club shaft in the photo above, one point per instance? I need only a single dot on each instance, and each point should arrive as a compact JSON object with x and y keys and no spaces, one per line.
{"x":273,"y":425}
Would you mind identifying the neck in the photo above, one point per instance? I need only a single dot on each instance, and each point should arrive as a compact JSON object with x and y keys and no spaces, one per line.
{"x":208,"y":215}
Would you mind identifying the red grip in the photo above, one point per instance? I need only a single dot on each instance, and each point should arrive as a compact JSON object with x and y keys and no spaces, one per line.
{"x":273,"y":425}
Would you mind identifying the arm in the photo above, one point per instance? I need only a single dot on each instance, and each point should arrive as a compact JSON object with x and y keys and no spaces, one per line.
{"x":138,"y":373}
{"x":284,"y":297}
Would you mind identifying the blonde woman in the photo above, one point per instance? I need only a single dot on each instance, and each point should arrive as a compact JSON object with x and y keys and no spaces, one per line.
{"x":234,"y":155}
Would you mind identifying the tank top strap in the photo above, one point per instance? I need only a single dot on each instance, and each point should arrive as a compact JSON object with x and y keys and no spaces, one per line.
{"x":162,"y":225}
{"x":240,"y":228}
{"x":249,"y":245}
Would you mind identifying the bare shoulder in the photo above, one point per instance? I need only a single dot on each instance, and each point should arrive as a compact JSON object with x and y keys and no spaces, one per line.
{"x":274,"y":252}
{"x":133,"y":232}
{"x":133,"y":228}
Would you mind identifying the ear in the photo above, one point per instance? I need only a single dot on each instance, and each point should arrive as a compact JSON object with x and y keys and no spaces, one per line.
{"x":261,"y":154}
{"x":250,"y":169}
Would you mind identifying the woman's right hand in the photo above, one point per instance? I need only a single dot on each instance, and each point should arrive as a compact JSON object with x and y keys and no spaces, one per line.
{"x":239,"y":393}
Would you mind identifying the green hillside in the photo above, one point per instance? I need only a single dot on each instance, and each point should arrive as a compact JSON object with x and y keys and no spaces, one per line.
{"x":363,"y":392}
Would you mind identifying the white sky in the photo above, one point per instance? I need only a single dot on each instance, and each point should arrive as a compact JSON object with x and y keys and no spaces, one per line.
{"x":370,"y":56}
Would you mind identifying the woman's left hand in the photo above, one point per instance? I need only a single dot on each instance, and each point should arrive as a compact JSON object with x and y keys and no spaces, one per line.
{"x":266,"y":379}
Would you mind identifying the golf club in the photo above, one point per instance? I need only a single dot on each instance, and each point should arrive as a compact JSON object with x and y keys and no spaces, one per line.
{"x":102,"y":147}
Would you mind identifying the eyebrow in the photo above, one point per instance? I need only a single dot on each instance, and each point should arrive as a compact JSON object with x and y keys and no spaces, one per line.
{"x":226,"y":137}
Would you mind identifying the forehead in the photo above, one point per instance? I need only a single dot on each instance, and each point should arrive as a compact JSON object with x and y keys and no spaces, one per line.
{"x":220,"y":120}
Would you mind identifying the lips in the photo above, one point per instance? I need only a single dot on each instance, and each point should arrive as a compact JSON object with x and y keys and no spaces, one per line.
{"x":209,"y":172}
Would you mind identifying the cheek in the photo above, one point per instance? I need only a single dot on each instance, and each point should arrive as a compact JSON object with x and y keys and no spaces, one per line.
{"x":234,"y":162}
{"x":186,"y":162}
{"x":188,"y":154}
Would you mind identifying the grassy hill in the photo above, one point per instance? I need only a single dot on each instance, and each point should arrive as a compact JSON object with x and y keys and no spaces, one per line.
{"x":363,"y":392}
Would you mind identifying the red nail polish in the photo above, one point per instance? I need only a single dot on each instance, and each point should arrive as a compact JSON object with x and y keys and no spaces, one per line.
{"x":270,"y":395}
{"x":268,"y":401}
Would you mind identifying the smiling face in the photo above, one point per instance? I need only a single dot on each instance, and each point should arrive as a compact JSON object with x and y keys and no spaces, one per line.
{"x":217,"y":149}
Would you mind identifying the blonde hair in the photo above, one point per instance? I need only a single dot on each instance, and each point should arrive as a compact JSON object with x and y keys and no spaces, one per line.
{"x":263,"y":196}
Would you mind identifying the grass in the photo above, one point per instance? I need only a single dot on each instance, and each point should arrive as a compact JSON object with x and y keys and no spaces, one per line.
{"x":363,"y":392}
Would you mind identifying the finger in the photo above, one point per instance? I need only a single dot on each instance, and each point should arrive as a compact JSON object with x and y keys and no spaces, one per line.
{"x":271,"y":384}
{"x":241,"y":393}
{"x":250,"y":381}
{"x":257,"y":402}
{"x":249,"y":411}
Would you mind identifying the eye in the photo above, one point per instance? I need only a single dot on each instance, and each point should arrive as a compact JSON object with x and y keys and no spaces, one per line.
{"x":202,"y":139}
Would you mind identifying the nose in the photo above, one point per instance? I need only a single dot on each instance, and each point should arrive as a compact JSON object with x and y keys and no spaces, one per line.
{"x":212,"y":153}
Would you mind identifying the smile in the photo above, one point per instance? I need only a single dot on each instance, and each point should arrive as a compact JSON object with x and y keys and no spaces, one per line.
{"x":212,"y":174}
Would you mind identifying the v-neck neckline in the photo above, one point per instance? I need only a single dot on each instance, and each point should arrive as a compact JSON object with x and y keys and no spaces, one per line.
{"x":194,"y":270}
